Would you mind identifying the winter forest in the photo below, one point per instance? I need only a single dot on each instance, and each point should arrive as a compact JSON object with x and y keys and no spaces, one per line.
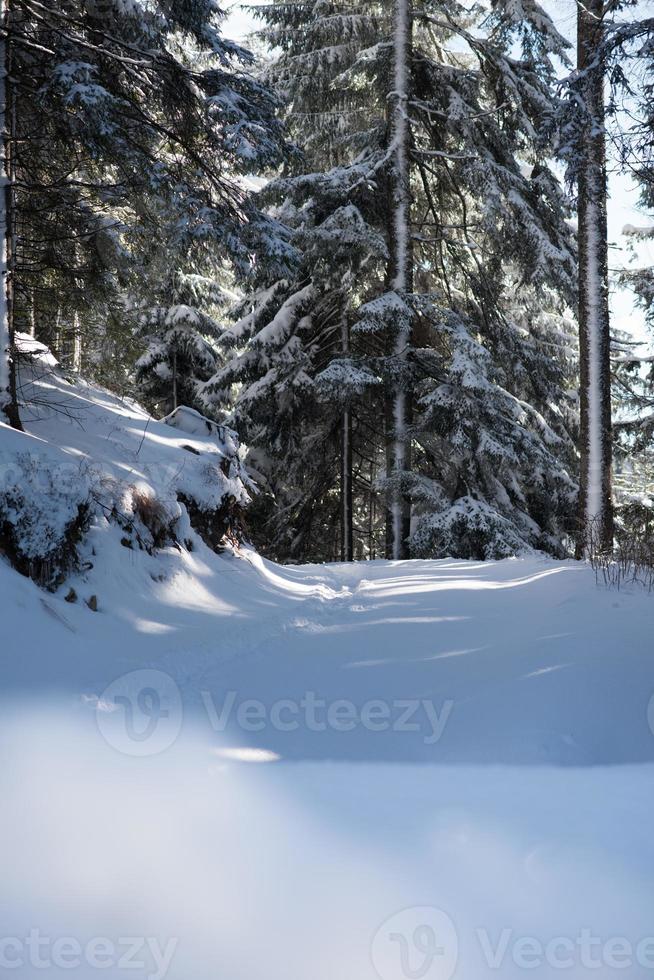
{"x":375,"y":246}
{"x":326,"y":488}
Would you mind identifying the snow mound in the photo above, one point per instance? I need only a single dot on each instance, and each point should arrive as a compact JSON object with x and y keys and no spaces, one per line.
{"x":89,"y":458}
{"x":29,"y":347}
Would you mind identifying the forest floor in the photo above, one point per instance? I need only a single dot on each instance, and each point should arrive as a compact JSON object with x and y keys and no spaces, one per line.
{"x":421,"y":769}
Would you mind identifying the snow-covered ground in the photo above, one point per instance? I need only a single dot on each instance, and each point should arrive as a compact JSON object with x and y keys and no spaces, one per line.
{"x":237,"y":771}
{"x":422,"y":769}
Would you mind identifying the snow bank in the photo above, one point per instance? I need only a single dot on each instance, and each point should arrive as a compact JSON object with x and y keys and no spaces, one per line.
{"x":44,"y":505}
{"x":90,"y":458}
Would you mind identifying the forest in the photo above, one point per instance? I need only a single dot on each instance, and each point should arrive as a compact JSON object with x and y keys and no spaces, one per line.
{"x":373,"y":243}
{"x":326,"y":489}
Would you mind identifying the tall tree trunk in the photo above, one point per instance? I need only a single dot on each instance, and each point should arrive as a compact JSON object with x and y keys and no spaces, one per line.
{"x":77,"y":344}
{"x":398,"y":413}
{"x":595,"y":502}
{"x":8,"y":399}
{"x":347,"y":545}
{"x":58,"y":345}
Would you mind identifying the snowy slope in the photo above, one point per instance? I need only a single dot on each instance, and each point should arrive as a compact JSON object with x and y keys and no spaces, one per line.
{"x":90,"y":458}
{"x":389,"y":769}
{"x":116,"y":438}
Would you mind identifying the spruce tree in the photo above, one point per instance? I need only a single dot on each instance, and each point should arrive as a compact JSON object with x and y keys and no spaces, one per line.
{"x":486,"y":219}
{"x":135,"y":125}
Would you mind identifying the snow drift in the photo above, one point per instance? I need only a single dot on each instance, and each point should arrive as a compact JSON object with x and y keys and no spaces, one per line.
{"x":89,"y":459}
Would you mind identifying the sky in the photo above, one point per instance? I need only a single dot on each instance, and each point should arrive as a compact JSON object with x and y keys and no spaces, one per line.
{"x":623,"y":207}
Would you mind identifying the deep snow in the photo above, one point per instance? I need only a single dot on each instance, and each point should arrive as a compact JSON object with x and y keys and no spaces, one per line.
{"x":526,"y":661}
{"x":282,"y":854}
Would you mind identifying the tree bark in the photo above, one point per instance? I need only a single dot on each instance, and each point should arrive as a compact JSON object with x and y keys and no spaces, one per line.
{"x":8,"y":396}
{"x":595,"y":500}
{"x":77,"y":343}
{"x":347,"y":544}
{"x":398,"y":414}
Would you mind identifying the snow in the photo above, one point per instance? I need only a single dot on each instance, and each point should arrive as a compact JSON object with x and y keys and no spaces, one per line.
{"x":116,"y":442}
{"x":29,"y":346}
{"x":193,"y":423}
{"x":182,"y":314}
{"x":281,"y":324}
{"x":521,"y":812}
{"x":238,"y":770}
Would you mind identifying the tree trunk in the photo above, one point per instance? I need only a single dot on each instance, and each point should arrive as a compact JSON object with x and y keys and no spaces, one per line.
{"x":77,"y":344}
{"x":595,"y":501}
{"x":31,"y":314}
{"x":347,"y":546}
{"x":398,"y":413}
{"x":57,"y":333}
{"x":8,"y":399}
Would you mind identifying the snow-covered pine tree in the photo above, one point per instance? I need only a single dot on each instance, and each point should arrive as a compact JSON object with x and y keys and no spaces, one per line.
{"x":280,"y":383}
{"x":289,"y":373}
{"x":487,"y":221}
{"x":490,"y":474}
{"x":135,"y":125}
{"x":629,"y":59}
{"x":181,"y":336}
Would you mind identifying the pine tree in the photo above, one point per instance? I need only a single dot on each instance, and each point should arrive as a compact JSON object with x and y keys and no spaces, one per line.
{"x":486,"y":219}
{"x":135,"y":124}
{"x":180,"y":356}
{"x":281,"y":383}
